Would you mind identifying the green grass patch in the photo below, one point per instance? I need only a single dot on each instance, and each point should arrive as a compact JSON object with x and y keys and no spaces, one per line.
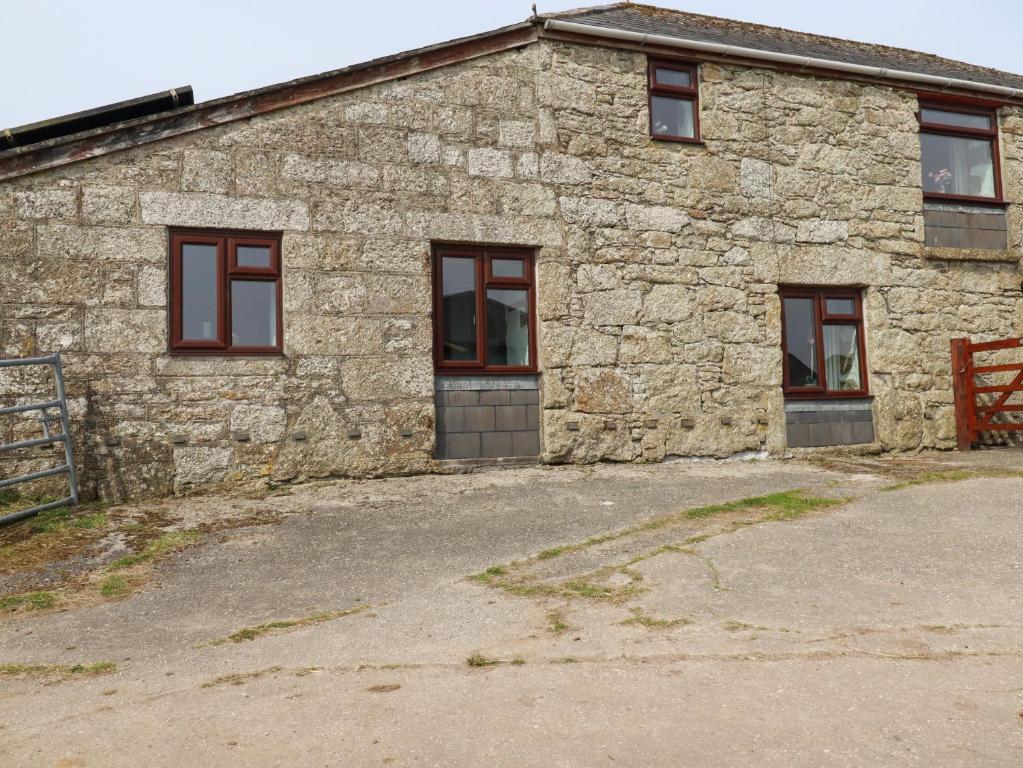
{"x":273,"y":627}
{"x":240,"y":678}
{"x":583,"y":588}
{"x":479,"y":660}
{"x":62,"y":670}
{"x":938,"y":476}
{"x":157,"y":548}
{"x":59,"y":519}
{"x":556,"y":623}
{"x":490,"y":574}
{"x":114,"y":586}
{"x":786,"y":505}
{"x":641,"y":619}
{"x":514,"y":578}
{"x":553,"y":552}
{"x":29,"y":601}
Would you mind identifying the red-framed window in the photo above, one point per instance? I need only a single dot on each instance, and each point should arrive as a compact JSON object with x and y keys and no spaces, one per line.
{"x":674,"y":101}
{"x":225,"y":292}
{"x":959,"y":152}
{"x":484,"y":309}
{"x":823,"y":350}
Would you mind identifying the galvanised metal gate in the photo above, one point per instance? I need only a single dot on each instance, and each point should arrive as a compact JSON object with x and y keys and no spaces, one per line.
{"x":48,"y":438}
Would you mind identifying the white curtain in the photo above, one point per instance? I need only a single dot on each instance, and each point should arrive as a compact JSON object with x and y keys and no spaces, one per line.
{"x":841,"y":357}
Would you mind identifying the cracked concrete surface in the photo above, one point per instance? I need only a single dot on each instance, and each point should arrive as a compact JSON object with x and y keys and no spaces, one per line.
{"x":886,"y":631}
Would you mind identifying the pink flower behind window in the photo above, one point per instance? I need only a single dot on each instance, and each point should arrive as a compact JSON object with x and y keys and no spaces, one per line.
{"x":941,"y":179}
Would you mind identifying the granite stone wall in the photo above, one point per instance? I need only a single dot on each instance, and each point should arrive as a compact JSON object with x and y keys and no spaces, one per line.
{"x":657,"y":271}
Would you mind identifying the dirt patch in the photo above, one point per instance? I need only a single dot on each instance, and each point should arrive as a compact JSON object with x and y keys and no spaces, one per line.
{"x":72,"y":557}
{"x":908,"y":472}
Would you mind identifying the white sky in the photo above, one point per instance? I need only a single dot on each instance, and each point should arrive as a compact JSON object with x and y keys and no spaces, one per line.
{"x":62,"y":56}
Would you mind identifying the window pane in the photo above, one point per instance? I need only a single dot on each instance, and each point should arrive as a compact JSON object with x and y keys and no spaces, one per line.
{"x":507,"y":268}
{"x":673,"y":77}
{"x":840,"y":306}
{"x":957,"y":166}
{"x":253,"y":256}
{"x":842,"y":357}
{"x":458,"y":287}
{"x":801,"y":343}
{"x":507,"y":327}
{"x":254,"y":313}
{"x":958,"y":119}
{"x":672,"y":117}
{"x":198,"y":292}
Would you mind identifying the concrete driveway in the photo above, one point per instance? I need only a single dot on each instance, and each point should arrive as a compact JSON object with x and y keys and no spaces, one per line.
{"x":867,"y":614}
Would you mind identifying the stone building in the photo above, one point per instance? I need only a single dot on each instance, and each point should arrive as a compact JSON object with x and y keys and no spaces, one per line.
{"x":617,"y":234}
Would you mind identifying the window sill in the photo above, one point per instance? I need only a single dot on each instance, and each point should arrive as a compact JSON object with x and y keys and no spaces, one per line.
{"x":971,"y":254}
{"x":987,"y":202}
{"x":485,"y":372}
{"x":827,"y":396}
{"x":220,"y":354}
{"x":679,"y":140}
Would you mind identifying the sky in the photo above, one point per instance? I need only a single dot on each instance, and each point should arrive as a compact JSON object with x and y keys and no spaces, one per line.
{"x":69,"y":55}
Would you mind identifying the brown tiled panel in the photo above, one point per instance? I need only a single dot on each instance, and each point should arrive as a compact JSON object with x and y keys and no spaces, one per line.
{"x":488,"y":423}
{"x":816,"y":425}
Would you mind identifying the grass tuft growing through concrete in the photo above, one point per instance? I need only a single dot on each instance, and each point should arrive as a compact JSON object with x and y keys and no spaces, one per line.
{"x":556,"y":622}
{"x":478,"y":660}
{"x":274,"y":627}
{"x":240,"y":678}
{"x":641,"y":619}
{"x":58,"y":670}
{"x":937,"y":476}
{"x":515,"y":578}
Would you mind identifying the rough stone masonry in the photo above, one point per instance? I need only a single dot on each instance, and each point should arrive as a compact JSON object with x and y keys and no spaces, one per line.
{"x":658,"y":267}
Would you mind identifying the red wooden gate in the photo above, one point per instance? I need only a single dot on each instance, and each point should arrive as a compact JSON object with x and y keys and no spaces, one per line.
{"x":973,"y":417}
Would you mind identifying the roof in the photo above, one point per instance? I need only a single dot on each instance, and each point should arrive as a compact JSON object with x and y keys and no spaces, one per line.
{"x":76,"y":122}
{"x":61,"y":150}
{"x":99,"y":140}
{"x":650,"y":20}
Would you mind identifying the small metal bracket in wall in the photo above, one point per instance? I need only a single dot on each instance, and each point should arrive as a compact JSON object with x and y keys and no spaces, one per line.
{"x":572,"y":426}
{"x":241,"y":437}
{"x":610,"y":426}
{"x":178,"y":439}
{"x":111,"y":441}
{"x":650,"y":423}
{"x":298,"y":437}
{"x":726,"y":421}
{"x":687,"y":423}
{"x":406,"y":433}
{"x":354,"y":434}
{"x":763,"y":420}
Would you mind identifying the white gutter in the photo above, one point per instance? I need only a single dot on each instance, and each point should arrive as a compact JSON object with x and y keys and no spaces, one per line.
{"x":780,"y":58}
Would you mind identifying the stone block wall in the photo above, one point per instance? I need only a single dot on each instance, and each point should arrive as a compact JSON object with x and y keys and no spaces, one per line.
{"x":657,"y":270}
{"x":668,"y":311}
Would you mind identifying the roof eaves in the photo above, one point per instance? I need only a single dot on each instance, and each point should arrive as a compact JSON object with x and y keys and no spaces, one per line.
{"x":19,"y":161}
{"x":821,"y":64}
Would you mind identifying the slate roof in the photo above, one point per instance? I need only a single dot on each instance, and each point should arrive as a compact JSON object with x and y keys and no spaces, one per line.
{"x":647,"y":19}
